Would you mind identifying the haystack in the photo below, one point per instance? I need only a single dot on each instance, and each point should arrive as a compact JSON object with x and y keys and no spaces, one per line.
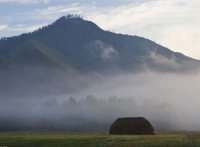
{"x":132,"y":126}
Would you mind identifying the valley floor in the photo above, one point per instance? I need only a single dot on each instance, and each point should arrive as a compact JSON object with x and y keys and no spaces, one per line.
{"x":59,"y":139}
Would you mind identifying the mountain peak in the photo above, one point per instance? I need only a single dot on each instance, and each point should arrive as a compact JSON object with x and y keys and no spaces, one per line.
{"x":75,"y":21}
{"x":69,"y":18}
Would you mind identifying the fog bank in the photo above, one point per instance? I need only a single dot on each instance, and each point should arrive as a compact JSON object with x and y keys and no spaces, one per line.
{"x":169,"y":101}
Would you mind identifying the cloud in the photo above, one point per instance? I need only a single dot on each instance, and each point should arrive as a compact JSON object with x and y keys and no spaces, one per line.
{"x":18,"y":28}
{"x":106,"y":52}
{"x":164,"y":61}
{"x":25,"y":27}
{"x":2,"y":27}
{"x":24,"y":1}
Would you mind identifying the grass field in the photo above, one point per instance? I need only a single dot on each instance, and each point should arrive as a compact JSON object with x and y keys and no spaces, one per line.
{"x":59,"y":139}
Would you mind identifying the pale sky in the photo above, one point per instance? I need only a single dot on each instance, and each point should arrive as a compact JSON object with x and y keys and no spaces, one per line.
{"x":171,"y":23}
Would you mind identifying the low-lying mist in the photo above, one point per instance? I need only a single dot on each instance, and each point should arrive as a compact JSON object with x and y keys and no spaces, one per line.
{"x":170,"y":101}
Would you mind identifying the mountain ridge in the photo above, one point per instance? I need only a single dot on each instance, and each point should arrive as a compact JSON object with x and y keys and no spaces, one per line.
{"x":77,"y":20}
{"x":57,"y":57}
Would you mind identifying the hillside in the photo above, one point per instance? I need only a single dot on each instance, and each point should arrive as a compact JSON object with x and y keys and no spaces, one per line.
{"x":54,"y":58}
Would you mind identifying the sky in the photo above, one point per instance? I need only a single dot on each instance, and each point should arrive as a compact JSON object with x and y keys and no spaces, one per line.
{"x":171,"y":23}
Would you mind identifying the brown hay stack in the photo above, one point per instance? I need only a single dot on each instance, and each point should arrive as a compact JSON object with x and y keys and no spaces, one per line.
{"x":132,"y":126}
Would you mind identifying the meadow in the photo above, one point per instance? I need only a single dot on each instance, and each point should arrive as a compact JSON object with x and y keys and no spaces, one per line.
{"x":59,"y":139}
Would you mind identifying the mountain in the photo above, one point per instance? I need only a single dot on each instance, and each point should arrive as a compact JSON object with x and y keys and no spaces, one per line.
{"x":56,"y":57}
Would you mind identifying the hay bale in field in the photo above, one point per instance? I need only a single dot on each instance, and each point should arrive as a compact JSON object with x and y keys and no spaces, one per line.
{"x":132,"y":126}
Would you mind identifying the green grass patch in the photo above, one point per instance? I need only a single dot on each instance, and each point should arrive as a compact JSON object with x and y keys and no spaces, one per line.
{"x":59,"y":139}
